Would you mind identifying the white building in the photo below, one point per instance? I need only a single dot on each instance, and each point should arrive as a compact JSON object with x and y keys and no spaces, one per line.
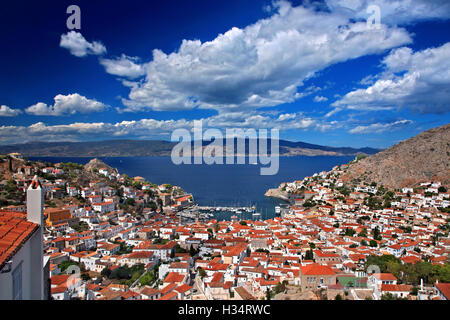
{"x":22,"y":274}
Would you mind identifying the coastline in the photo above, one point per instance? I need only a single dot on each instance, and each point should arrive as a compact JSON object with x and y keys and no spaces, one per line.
{"x":277,"y":193}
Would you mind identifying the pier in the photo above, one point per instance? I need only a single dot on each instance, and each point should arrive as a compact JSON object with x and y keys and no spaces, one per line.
{"x":227,"y":209}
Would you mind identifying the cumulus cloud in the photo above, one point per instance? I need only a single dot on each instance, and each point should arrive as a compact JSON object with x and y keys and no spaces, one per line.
{"x":6,"y":111}
{"x":381,"y":127}
{"x":66,"y":105}
{"x":124,"y":66}
{"x":419,"y":81}
{"x":394,"y":12}
{"x":263,"y":64}
{"x":152,"y":128}
{"x":79,"y":46}
{"x":320,"y":99}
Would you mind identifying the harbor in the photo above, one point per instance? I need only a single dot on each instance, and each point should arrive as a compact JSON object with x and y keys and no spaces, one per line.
{"x":230,"y":213}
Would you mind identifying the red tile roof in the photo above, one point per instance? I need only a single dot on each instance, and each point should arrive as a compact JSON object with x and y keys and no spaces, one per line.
{"x":316,"y":269}
{"x":396,"y":287}
{"x":15,"y":230}
{"x":444,"y":288}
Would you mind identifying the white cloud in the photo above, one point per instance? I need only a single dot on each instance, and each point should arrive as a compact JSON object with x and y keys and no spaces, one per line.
{"x":124,"y":66}
{"x":320,"y":99}
{"x":394,"y":12}
{"x":419,"y":81}
{"x":152,"y":128}
{"x":6,"y":111}
{"x":381,"y":127}
{"x":66,"y":105}
{"x":260,"y":65}
{"x":79,"y":46}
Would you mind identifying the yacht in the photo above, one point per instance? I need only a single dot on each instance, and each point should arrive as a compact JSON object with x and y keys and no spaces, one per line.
{"x":256,"y":216}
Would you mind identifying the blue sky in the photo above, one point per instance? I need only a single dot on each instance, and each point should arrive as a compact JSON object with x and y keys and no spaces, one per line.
{"x":141,"y":69}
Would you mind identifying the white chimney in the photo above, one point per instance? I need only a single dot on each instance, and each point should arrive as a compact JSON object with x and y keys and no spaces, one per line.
{"x":421,"y":284}
{"x":35,"y":202}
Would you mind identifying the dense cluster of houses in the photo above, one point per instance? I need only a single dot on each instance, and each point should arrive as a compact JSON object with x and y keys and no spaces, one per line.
{"x":320,"y":249}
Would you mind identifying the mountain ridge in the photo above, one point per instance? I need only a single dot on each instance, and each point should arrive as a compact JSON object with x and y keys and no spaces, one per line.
{"x":130,"y":148}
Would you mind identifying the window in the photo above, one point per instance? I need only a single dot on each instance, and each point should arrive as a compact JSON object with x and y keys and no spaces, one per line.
{"x":17,"y":282}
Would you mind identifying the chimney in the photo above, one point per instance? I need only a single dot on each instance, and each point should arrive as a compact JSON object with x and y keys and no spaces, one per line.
{"x":35,"y":202}
{"x":421,"y":284}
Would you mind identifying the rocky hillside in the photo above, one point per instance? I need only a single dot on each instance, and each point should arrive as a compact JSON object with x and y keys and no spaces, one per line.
{"x":423,"y":157}
{"x":98,"y":164}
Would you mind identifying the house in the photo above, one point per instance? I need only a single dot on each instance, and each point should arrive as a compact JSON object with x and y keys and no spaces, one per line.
{"x":162,"y":251}
{"x":314,"y":275}
{"x":184,"y":292}
{"x":23,"y":273}
{"x":175,"y":278}
{"x":103,"y":207}
{"x":149,"y":293}
{"x":442,"y":290}
{"x":67,"y":286}
{"x":240,"y":293}
{"x":134,"y":258}
{"x":377,"y":279}
{"x":396,"y":290}
{"x":180,"y":267}
{"x":107,"y":249}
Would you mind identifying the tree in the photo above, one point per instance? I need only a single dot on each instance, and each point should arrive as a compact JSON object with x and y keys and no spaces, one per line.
{"x":373,"y":243}
{"x":309,"y":255}
{"x":280,"y":287}
{"x":201,"y":273}
{"x":376,"y":234}
{"x":338,"y":297}
{"x":387,"y":296}
{"x":349,"y":232}
{"x":363,"y":233}
{"x":85,"y":277}
{"x":192,"y":251}
{"x":106,"y":272}
{"x":268,"y":294}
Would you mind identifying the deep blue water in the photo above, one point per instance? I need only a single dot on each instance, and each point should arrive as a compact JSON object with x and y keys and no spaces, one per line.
{"x":221,"y":185}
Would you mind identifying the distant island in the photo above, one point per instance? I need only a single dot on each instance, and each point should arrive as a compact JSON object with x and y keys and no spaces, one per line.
{"x":140,"y":148}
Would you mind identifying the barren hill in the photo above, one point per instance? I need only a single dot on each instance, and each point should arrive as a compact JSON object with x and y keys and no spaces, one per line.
{"x":423,"y":157}
{"x":98,"y":164}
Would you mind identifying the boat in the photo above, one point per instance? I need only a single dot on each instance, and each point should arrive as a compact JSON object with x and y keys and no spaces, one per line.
{"x":277,"y":209}
{"x":256,"y":216}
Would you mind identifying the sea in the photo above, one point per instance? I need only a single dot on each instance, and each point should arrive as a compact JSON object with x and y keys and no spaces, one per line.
{"x":219,"y":185}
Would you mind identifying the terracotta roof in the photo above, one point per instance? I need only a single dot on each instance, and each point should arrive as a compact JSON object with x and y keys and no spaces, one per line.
{"x":444,"y":288}
{"x":149,"y":291}
{"x":183,"y":288}
{"x":316,"y":269}
{"x":244,"y":294}
{"x":15,"y":230}
{"x":385,"y":276}
{"x":169,"y":296}
{"x":396,"y":287}
{"x":174,"y":277}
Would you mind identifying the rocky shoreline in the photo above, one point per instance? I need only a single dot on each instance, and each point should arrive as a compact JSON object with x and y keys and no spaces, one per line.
{"x":277,"y":193}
